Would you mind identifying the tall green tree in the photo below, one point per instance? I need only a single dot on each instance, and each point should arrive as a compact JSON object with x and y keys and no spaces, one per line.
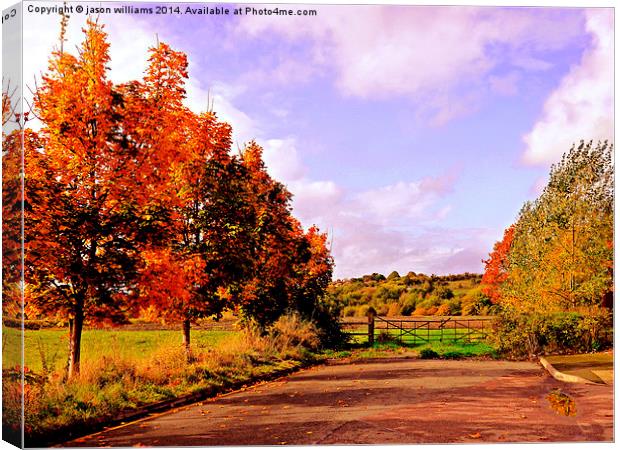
{"x":561,"y":256}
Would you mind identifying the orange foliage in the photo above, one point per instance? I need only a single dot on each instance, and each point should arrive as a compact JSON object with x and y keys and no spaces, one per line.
{"x":136,"y":203}
{"x":496,"y":267}
{"x":443,"y":310}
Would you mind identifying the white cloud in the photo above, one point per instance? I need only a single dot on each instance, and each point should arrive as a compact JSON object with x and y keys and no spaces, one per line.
{"x":407,"y":200}
{"x":282,"y":159}
{"x":245,"y":128}
{"x":581,"y":107}
{"x":392,"y":227}
{"x":284,"y":72}
{"x":429,"y":54}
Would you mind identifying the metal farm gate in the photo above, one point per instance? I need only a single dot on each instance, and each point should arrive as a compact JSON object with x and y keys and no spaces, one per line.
{"x":420,"y":330}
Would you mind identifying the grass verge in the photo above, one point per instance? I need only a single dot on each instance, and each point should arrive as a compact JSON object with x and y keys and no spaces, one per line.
{"x":114,"y":382}
{"x":446,"y":350}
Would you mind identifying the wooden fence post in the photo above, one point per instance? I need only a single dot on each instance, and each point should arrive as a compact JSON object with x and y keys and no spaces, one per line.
{"x":371,"y":325}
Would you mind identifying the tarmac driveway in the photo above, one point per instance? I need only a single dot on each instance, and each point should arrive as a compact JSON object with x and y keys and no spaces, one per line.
{"x":382,"y":402}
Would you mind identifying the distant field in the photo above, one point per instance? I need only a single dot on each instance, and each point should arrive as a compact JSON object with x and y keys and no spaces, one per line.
{"x":50,"y":346}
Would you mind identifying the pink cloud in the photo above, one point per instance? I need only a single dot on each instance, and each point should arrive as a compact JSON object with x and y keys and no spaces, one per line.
{"x":425,"y":53}
{"x":506,"y":84}
{"x":392,"y":227}
{"x":406,"y":200}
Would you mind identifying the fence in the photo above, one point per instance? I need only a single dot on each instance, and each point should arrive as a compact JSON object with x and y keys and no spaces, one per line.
{"x":419,"y":330}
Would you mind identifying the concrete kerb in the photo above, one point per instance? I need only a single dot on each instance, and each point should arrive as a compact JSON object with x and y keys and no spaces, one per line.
{"x":561,"y":376}
{"x":54,"y":438}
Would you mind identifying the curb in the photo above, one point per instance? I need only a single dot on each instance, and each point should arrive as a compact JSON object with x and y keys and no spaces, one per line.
{"x":561,"y":376}
{"x":59,"y":437}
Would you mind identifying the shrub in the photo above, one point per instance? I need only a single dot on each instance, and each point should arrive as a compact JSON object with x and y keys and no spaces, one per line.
{"x":455,"y":306}
{"x":475,"y":303}
{"x":291,"y":333}
{"x":349,"y":311}
{"x":428,"y":353}
{"x":408,"y":302}
{"x":452,"y":355}
{"x":518,"y":334}
{"x":363,"y":310}
{"x":325,"y":316}
{"x":432,"y":311}
{"x":384,"y":337}
{"x":443,"y":310}
{"x":382,"y":309}
{"x":393,"y":310}
{"x":420,"y":311}
{"x":444,"y":293}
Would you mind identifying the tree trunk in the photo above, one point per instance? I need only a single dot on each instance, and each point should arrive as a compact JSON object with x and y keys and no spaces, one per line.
{"x":186,"y":338}
{"x":70,"y":347}
{"x":75,"y":339}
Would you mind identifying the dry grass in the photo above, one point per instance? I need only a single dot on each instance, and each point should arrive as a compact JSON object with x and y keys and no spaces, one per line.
{"x":117,"y":380}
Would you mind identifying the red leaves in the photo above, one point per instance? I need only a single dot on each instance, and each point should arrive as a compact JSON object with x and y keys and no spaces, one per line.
{"x":496,"y":267}
{"x":137,"y":203}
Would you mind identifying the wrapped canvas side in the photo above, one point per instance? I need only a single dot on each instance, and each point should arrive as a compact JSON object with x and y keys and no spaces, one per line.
{"x":13,"y":371}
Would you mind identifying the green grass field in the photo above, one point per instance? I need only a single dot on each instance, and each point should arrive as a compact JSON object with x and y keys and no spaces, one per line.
{"x":50,"y":346}
{"x":124,"y":369}
{"x":449,"y":343}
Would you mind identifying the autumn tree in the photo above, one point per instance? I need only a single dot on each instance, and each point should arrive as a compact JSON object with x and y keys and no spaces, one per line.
{"x":496,"y":267}
{"x":266,"y":294}
{"x":85,"y":226}
{"x":313,"y":273}
{"x":292,"y":268}
{"x":12,"y":144}
{"x":558,"y":256}
{"x":561,"y":253}
{"x":211,"y":231}
{"x":137,"y":202}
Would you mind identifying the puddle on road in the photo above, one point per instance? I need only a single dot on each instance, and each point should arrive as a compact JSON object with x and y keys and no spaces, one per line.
{"x":562,"y":403}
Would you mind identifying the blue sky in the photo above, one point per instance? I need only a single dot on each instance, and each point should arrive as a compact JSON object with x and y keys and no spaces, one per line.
{"x":411,"y":134}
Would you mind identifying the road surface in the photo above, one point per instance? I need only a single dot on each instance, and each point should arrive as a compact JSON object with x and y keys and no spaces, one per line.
{"x":382,"y":402}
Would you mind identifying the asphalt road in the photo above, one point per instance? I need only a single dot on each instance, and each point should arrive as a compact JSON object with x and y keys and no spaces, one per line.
{"x":382,"y":402}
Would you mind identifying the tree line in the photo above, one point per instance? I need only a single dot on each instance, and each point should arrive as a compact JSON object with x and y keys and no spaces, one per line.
{"x":413,"y":294}
{"x":132,"y":201}
{"x":557,"y":258}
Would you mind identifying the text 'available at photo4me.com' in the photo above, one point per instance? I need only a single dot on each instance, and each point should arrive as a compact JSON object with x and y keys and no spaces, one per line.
{"x":196,"y":9}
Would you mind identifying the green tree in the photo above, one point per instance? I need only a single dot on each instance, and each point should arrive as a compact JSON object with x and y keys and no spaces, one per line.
{"x":562,"y":251}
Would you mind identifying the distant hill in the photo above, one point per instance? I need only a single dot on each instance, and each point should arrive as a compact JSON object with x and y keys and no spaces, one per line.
{"x":412,"y":295}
